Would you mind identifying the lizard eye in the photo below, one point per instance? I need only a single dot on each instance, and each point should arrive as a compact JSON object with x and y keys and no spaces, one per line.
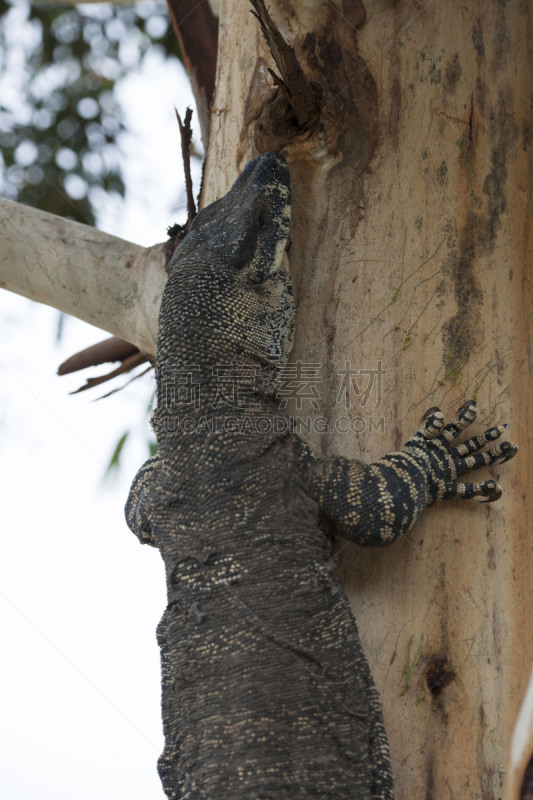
{"x":261,"y":221}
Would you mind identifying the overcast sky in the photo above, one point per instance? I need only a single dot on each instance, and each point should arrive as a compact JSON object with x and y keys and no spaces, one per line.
{"x":80,"y":598}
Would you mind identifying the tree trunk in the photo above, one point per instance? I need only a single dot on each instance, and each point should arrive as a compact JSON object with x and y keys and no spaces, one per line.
{"x":409,"y":255}
{"x":410,"y":244}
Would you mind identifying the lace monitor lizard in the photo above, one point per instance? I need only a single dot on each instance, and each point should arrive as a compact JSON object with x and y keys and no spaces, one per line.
{"x":266,"y":693}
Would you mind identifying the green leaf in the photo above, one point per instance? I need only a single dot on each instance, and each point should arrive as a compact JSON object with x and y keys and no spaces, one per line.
{"x":114,"y":463}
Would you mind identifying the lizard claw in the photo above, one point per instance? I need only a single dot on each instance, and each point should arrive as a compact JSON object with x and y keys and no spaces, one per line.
{"x":493,"y":489}
{"x":512,"y":451}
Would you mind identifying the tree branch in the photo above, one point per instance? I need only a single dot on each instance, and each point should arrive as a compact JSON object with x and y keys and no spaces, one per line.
{"x":99,"y":278}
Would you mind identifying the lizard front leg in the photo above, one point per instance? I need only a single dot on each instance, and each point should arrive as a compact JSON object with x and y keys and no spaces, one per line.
{"x":135,"y":510}
{"x":375,"y":504}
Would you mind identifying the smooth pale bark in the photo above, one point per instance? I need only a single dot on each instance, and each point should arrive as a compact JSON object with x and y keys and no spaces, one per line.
{"x":103,"y":280}
{"x":421,"y":265}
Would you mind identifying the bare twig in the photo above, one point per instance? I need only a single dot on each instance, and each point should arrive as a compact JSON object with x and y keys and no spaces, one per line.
{"x":186,"y":138}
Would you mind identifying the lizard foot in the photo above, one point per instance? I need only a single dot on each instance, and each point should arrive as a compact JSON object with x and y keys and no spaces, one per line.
{"x":135,"y":510}
{"x":444,"y":464}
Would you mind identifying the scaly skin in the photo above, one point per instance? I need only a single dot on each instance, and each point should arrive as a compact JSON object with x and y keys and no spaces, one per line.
{"x":267,"y":694}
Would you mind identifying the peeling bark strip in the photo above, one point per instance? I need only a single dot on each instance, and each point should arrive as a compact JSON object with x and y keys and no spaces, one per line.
{"x":293,"y":83}
{"x":129,"y":363}
{"x":324,"y":88}
{"x":113,"y":349}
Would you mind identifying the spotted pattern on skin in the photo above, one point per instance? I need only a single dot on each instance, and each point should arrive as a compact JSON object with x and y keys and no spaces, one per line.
{"x":266,"y":691}
{"x":384,"y":500}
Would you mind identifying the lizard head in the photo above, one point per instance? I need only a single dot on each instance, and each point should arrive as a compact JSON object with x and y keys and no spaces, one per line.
{"x":247,"y":228}
{"x":228,"y":288}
